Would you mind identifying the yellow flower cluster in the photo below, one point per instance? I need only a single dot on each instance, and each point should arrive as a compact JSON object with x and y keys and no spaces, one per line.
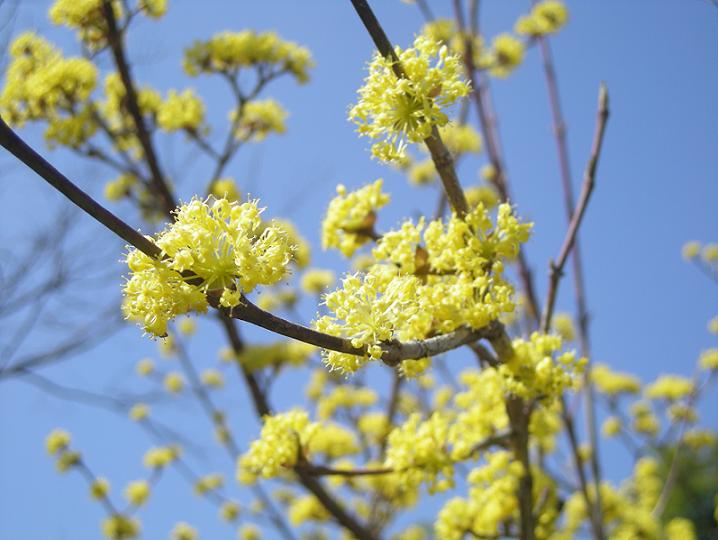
{"x":228,"y":52}
{"x":153,"y":8}
{"x":281,"y":353}
{"x":183,"y":531}
{"x":369,"y":310}
{"x":333,"y":441}
{"x":307,"y":508}
{"x":484,"y":195}
{"x":85,"y":16}
{"x":506,"y":54}
{"x":414,"y":291}
{"x":137,"y":492}
{"x":613,"y":383}
{"x":282,"y":439}
{"x":220,"y":245}
{"x":316,"y":280}
{"x":401,"y":110}
{"x":181,"y":111}
{"x":350,"y":217}
{"x":492,"y":500}
{"x":709,"y":359}
{"x":257,"y":119}
{"x":546,"y":17}
{"x":42,"y":84}
{"x":139,"y":411}
{"x":159,"y":457}
{"x":99,"y":488}
{"x":345,"y":397}
{"x":417,"y":451}
{"x":534,"y":373}
{"x":119,"y":527}
{"x":225,"y":188}
{"x":120,"y":187}
{"x":208,"y":483}
{"x":669,"y":387}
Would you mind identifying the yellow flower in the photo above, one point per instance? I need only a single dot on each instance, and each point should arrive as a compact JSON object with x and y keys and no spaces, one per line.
{"x":563,"y":324}
{"x":57,"y":441}
{"x":139,"y":411}
{"x":159,"y":457}
{"x":257,"y":119}
{"x":349,"y":222}
{"x":611,"y":426}
{"x":145,"y":367}
{"x":507,"y":53}
{"x":220,"y":245}
{"x":99,"y":488}
{"x":229,"y":52}
{"x":709,"y":359}
{"x":119,"y":527}
{"x":183,"y":531}
{"x":613,"y":383}
{"x":208,"y":483}
{"x":710,"y":253}
{"x":316,"y":280}
{"x":212,"y":378}
{"x":174,"y":382}
{"x":181,"y":111}
{"x":137,"y":492}
{"x":225,"y":188}
{"x":401,"y":110}
{"x":670,"y":387}
{"x":229,"y":511}
{"x":546,"y":17}
{"x":690,"y":250}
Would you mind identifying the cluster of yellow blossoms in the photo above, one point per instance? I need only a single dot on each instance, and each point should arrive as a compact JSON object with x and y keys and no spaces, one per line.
{"x":257,"y":119}
{"x":546,"y":17}
{"x":222,"y":247}
{"x":459,"y":139}
{"x":228,"y":52}
{"x":42,"y":84}
{"x":287,"y":439}
{"x":350,"y":218}
{"x":414,"y":290}
{"x":401,"y":110}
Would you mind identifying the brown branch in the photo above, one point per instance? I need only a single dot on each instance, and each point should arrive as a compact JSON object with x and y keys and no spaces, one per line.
{"x":556,"y":269}
{"x":115,"y":37}
{"x":443,"y":160}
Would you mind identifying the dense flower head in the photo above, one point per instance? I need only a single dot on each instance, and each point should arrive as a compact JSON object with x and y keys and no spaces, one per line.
{"x":709,"y":359}
{"x":183,"y":531}
{"x":85,"y":16}
{"x":317,"y":280}
{"x":42,"y":84}
{"x":350,"y":217}
{"x":183,"y":110}
{"x":614,"y":383}
{"x":400,"y":110}
{"x":57,"y":441}
{"x":275,"y":355}
{"x":345,"y":396}
{"x":159,"y":457}
{"x":225,"y":188}
{"x":120,"y":527}
{"x":417,"y":450}
{"x":537,"y":371}
{"x":257,"y":119}
{"x":492,"y":500}
{"x":228,"y":52}
{"x":153,"y":8}
{"x":546,"y":17}
{"x":137,"y":492}
{"x":669,"y":387}
{"x":277,"y":450}
{"x":219,"y":244}
{"x":307,"y":508}
{"x":505,"y":55}
{"x":415,"y":290}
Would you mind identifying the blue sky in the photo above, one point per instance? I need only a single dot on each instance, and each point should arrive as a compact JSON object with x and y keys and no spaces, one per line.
{"x":657,"y":188}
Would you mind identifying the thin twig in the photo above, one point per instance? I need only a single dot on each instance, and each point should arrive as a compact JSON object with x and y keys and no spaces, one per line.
{"x":556,"y":268}
{"x":115,"y":38}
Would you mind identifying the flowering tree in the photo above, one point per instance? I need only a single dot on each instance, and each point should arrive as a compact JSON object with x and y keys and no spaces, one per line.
{"x":355,"y":461}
